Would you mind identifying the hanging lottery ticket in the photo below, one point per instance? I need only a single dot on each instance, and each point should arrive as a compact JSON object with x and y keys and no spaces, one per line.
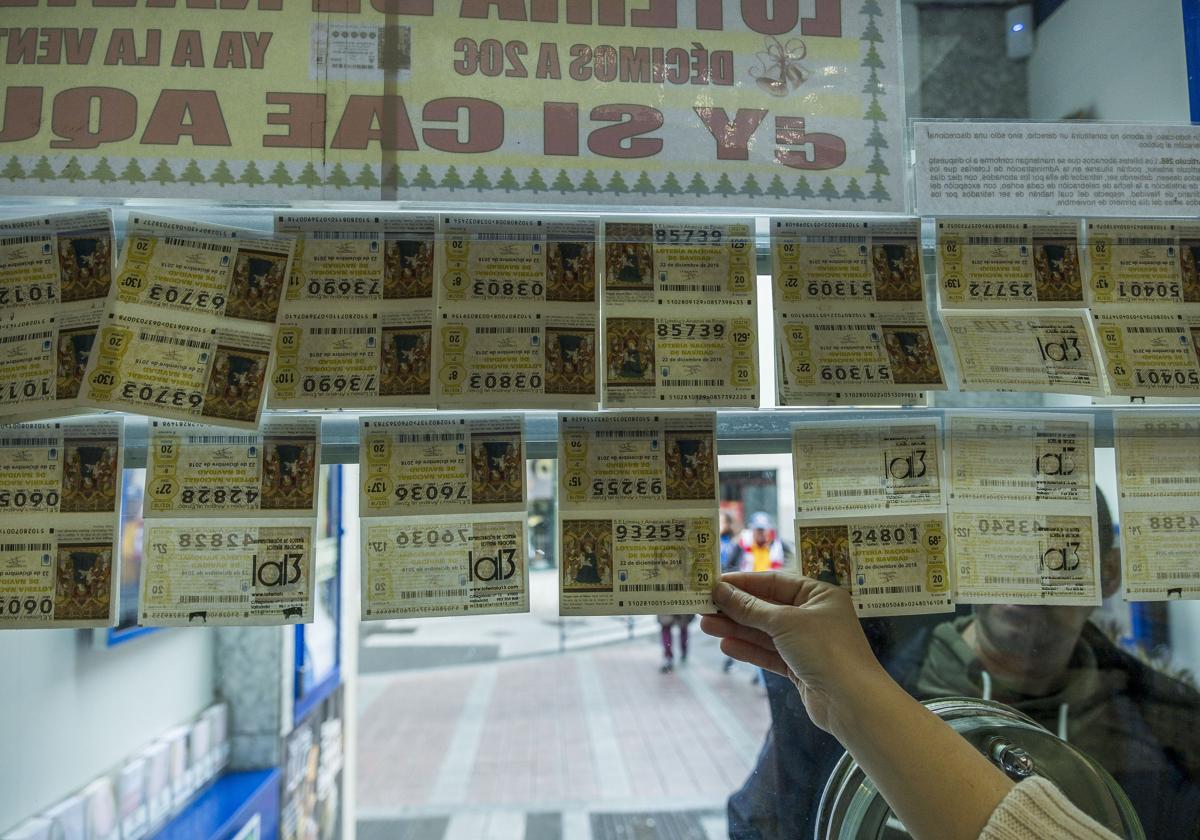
{"x":55,"y":274}
{"x":230,"y":521}
{"x":1023,"y":509}
{"x":60,"y":491}
{"x":442,"y":502}
{"x":871,"y":512}
{"x":637,"y":499}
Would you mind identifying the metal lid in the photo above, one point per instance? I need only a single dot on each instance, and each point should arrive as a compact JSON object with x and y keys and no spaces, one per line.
{"x":852,"y":808}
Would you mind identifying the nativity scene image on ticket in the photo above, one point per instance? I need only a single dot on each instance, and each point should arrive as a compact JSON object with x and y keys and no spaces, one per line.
{"x":407,"y":268}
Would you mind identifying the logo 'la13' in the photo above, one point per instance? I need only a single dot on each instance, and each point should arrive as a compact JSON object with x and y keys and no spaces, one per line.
{"x":1064,"y":558}
{"x":285,"y":571}
{"x":491,"y":569}
{"x":1055,"y":463}
{"x":903,"y":467}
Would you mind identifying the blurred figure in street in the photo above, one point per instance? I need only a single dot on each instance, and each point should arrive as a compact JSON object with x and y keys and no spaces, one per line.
{"x":759,"y":549}
{"x":666,"y":622}
{"x":728,"y":541}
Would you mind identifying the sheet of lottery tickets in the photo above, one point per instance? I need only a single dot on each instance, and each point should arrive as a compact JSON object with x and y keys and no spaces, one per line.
{"x":871,"y":513}
{"x":1143,"y":283}
{"x":229,"y":524}
{"x":358,"y":312}
{"x":851,"y":321}
{"x":442,"y":502}
{"x":1023,"y":508}
{"x":680,"y":314}
{"x":55,"y":274}
{"x":60,"y":490}
{"x":1158,"y":459}
{"x":1014,"y":308}
{"x":188,"y":327}
{"x":637,"y":513}
{"x":518,"y":313}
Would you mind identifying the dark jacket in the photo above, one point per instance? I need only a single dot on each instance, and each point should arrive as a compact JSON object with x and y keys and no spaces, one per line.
{"x":1141,"y":725}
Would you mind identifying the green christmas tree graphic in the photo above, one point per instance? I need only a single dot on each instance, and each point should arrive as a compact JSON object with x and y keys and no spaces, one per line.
{"x":724,"y":187}
{"x":162,"y":173}
{"x":854,"y":191}
{"x":644,"y":185}
{"x":221,"y":175}
{"x":14,"y":171}
{"x":589,"y":184}
{"x":366,"y":178}
{"x":696,"y":186}
{"x":280,"y":176}
{"x":670,"y":185}
{"x":132,"y":172}
{"x":534,"y":183}
{"x":750,"y":187}
{"x":507,"y":181}
{"x":479,"y":180}
{"x":451,"y":179}
{"x":803,"y":190}
{"x":828,"y":190}
{"x":42,"y":170}
{"x":875,"y":140}
{"x":250,"y":176}
{"x":562,"y":183}
{"x":309,"y":176}
{"x":394,"y":179}
{"x":191,"y":174}
{"x":616,"y":184}
{"x":338,"y":179}
{"x":72,"y":171}
{"x":776,"y":189}
{"x":424,"y":179}
{"x":102,"y":172}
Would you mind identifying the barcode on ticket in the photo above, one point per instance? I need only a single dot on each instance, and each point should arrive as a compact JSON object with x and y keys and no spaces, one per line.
{"x":213,"y":599}
{"x":156,"y":338}
{"x":887,"y":590}
{"x":25,"y":546}
{"x":651,"y":587}
{"x":204,"y":246}
{"x":413,"y":594}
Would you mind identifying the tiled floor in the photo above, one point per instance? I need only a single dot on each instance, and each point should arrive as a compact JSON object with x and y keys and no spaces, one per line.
{"x":591,"y":744}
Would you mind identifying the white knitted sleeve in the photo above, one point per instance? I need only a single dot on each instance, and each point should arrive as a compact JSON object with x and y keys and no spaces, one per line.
{"x":1036,"y":810}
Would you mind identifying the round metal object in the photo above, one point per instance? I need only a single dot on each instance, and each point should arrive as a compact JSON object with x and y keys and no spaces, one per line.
{"x":852,"y":808}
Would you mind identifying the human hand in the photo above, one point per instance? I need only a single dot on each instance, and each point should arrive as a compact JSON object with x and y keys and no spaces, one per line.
{"x":800,"y":628}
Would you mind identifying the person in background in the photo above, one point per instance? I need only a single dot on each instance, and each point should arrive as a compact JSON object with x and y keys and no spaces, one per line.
{"x":1049,"y":662}
{"x":666,"y":622}
{"x":728,"y":540}
{"x":789,"y":624}
{"x":759,"y":549}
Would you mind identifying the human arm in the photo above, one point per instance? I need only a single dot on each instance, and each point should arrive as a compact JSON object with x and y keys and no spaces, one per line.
{"x":940,"y":787}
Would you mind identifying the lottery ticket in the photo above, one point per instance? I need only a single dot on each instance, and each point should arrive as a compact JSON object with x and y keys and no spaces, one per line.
{"x":1151,"y":352}
{"x":1022,"y":508}
{"x":664,"y":559}
{"x":43,"y":355}
{"x":443,"y":506}
{"x":1158,"y":461}
{"x":868,"y":265}
{"x":678,"y":263}
{"x":666,"y":361}
{"x":467,"y":565}
{"x":1048,"y":351}
{"x":868,"y":467}
{"x":227,"y":571}
{"x":437,"y":466}
{"x":514,"y":262}
{"x":863,"y":352}
{"x":367,"y":258}
{"x":1009,"y":264}
{"x":637,"y":565}
{"x":178,"y":370}
{"x":360,"y":359}
{"x":202,"y":471}
{"x":516,"y":359}
{"x":890,"y":565}
{"x":1141,"y":264}
{"x":188,"y":328}
{"x":55,"y":260}
{"x":60,"y":490}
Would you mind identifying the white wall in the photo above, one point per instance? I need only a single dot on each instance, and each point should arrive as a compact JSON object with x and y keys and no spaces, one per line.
{"x":69,"y":712}
{"x":1124,"y":59}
